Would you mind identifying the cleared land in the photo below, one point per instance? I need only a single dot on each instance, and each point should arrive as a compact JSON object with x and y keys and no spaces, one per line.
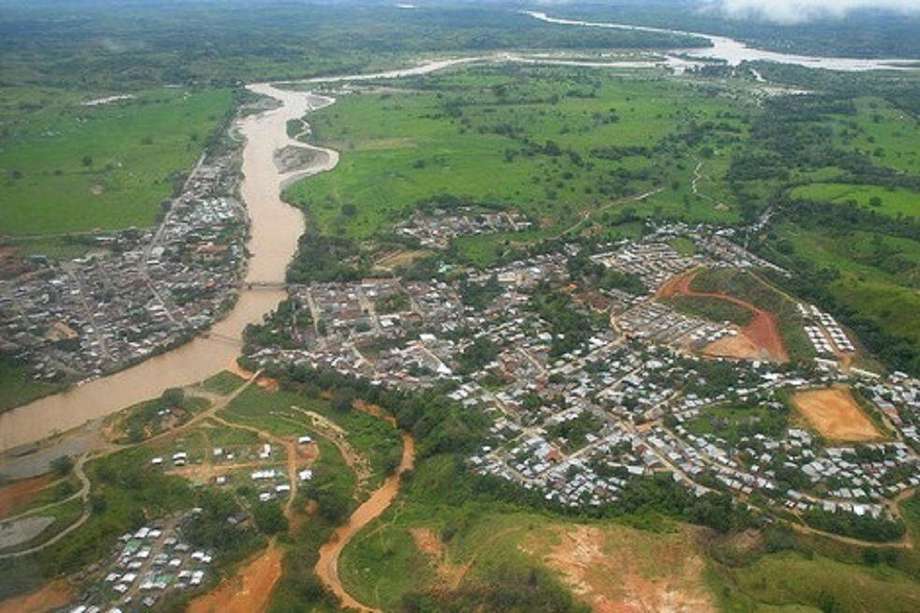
{"x":614,"y":568}
{"x":19,"y":494}
{"x":760,"y":338}
{"x":52,"y":596}
{"x":247,"y":591}
{"x":835,"y":414}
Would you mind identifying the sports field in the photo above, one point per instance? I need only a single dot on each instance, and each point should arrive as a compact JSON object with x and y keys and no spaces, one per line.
{"x":834,"y":413}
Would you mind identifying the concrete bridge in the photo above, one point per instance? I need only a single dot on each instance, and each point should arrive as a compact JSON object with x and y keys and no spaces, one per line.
{"x":262,"y":286}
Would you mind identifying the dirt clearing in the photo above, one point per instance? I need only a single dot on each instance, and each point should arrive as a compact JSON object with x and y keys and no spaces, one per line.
{"x":249,"y":591}
{"x":835,"y":414}
{"x":762,"y":338}
{"x":19,"y":494}
{"x":618,"y":570}
{"x":53,"y":596}
{"x":428,"y":543}
{"x":738,"y":347}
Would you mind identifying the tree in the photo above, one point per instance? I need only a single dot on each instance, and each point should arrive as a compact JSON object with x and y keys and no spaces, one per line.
{"x":87,"y":161}
{"x":173,"y":397}
{"x":343,"y":399}
{"x":269,"y":518}
{"x":875,"y":201}
{"x":62,"y":465}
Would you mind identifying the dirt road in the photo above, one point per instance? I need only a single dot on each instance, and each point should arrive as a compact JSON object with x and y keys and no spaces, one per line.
{"x":763,"y":330}
{"x":327,"y":568}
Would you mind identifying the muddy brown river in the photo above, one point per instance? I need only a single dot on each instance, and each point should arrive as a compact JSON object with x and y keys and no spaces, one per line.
{"x":275,"y":229}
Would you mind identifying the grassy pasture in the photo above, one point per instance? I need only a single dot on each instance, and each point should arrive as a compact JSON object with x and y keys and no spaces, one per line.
{"x":75,"y":168}
{"x":17,"y":387}
{"x":889,"y":298}
{"x":516,"y":136}
{"x":895,"y":201}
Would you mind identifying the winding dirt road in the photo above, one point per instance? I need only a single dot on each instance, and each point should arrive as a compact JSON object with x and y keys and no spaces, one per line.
{"x":327,"y":568}
{"x":763,"y":329}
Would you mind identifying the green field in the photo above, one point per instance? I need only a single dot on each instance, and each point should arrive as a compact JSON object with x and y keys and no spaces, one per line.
{"x":732,"y":422}
{"x":72,"y":168}
{"x":537,"y":139}
{"x":17,"y":387}
{"x":878,"y":277}
{"x":713,"y":309}
{"x":894,"y":201}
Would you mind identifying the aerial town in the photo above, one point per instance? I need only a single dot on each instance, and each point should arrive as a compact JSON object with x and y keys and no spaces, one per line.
{"x":627,"y":386}
{"x":138,"y":292}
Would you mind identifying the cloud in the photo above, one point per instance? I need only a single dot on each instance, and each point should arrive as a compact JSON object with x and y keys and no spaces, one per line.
{"x":798,"y":11}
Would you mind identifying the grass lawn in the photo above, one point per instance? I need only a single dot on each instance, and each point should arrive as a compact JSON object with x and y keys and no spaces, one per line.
{"x":224,"y":383}
{"x":712,"y":309}
{"x":74,"y":168}
{"x":731,"y":422}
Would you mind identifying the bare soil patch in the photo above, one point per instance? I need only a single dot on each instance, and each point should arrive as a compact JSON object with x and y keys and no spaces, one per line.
{"x":19,"y":494}
{"x":50,"y":597}
{"x":428,"y":543}
{"x":738,"y":347}
{"x":762,"y":332}
{"x":835,"y":414}
{"x":20,"y":531}
{"x":619,"y":570}
{"x":249,"y":591}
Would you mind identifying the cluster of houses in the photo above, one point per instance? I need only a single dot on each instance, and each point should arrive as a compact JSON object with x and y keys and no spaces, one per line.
{"x":439,"y":227}
{"x":825,"y":334}
{"x":146,"y":566}
{"x":638,"y":384}
{"x":652,"y":261}
{"x":149,"y":291}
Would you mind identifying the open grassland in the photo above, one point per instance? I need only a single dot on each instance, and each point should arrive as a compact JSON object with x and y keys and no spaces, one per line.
{"x":73,"y":168}
{"x":886,"y":133}
{"x":559,"y":145}
{"x":891,"y":201}
{"x":878,"y":275}
{"x":791,"y":580}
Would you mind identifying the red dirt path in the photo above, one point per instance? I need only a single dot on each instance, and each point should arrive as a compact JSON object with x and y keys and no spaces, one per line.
{"x":762,"y":331}
{"x":18,"y":494}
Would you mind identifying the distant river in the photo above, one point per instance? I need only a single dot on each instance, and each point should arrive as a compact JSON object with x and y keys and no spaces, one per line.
{"x":734,"y":52}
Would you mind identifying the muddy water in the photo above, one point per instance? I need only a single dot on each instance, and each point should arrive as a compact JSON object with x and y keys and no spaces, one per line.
{"x":275,"y":229}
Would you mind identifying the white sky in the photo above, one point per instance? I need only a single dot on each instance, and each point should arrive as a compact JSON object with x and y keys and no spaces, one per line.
{"x":795,"y":11}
